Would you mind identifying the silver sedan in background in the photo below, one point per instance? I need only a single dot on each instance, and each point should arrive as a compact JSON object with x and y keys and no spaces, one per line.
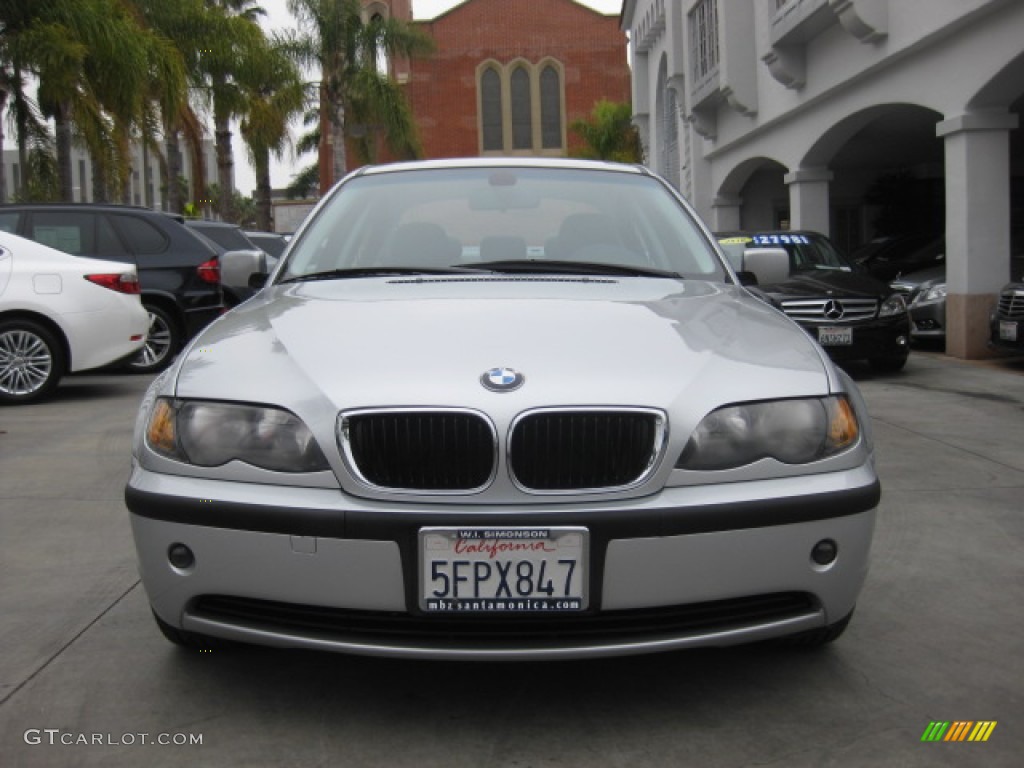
{"x":503,"y":409}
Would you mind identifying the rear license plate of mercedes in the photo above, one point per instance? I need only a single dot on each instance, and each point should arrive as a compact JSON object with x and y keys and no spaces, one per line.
{"x":503,"y":570}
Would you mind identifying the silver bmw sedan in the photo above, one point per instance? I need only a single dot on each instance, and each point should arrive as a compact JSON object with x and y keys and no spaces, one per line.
{"x":503,"y":409}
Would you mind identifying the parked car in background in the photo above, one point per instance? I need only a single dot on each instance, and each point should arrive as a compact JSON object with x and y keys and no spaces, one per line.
{"x":179,"y":274}
{"x":925,"y":294}
{"x":239,"y":256}
{"x":271,"y":242}
{"x":503,"y":409}
{"x":62,"y":314}
{"x":846,"y":310}
{"x":229,"y":236}
{"x":891,"y":256}
{"x":1007,"y":319}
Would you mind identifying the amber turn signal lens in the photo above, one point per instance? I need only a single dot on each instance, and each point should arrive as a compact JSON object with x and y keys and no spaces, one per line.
{"x":842,"y":424}
{"x":160,"y":433}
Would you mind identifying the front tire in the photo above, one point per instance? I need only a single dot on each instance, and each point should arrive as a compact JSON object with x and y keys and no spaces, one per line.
{"x":32,"y":361}
{"x":162,"y":342}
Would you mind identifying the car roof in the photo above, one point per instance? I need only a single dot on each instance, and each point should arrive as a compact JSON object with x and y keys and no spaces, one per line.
{"x":501,"y":162}
{"x":97,"y":206}
{"x":211,"y":223}
{"x":109,"y":207}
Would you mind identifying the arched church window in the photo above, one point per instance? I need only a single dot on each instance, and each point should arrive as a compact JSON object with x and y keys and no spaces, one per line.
{"x":490,"y":108}
{"x":522,"y":114}
{"x":550,"y":108}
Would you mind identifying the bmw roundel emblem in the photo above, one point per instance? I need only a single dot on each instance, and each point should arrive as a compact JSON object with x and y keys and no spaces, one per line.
{"x":502,"y":379}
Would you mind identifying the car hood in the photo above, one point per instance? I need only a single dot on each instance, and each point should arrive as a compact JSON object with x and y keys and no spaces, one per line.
{"x":914,"y":279}
{"x":358,"y":343}
{"x":835,"y":283}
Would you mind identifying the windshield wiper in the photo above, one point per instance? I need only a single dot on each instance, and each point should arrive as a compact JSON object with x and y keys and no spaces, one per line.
{"x":343,"y":274}
{"x":545,"y":266}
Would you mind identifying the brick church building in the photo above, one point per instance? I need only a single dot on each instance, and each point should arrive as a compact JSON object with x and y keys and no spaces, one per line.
{"x":508,"y":77}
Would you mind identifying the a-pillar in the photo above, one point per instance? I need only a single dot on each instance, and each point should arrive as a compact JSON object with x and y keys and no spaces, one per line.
{"x":808,"y":198}
{"x":977,"y":151}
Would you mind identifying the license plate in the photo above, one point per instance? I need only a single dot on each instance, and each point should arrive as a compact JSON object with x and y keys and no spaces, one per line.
{"x":1007,"y":331}
{"x":503,"y":570}
{"x":835,"y":337}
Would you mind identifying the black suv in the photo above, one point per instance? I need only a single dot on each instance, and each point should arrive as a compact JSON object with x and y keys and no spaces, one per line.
{"x":850,"y":313}
{"x":178,"y":272}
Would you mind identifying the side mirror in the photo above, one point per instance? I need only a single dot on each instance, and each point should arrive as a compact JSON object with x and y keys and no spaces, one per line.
{"x":236,"y":267}
{"x":768,"y":265}
{"x":257,"y":280}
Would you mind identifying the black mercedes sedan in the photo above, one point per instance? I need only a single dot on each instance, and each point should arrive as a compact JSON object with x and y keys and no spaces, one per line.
{"x":853,"y":315}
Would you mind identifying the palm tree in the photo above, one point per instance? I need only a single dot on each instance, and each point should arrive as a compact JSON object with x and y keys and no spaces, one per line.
{"x":336,"y":38}
{"x":238,"y":52}
{"x":25,"y":34}
{"x":196,"y":28}
{"x":90,"y":57}
{"x":306,"y":180}
{"x":276,"y":95}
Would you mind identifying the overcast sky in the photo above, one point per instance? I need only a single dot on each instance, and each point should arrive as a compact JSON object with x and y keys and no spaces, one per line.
{"x":279,"y":18}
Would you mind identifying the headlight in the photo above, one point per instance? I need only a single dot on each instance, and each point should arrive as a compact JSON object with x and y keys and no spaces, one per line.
{"x":211,"y":434}
{"x":931,"y":294}
{"x":894,"y":305}
{"x":791,"y":431}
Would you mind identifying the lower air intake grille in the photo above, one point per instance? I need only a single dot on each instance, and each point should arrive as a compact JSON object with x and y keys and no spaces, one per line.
{"x":443,"y":451}
{"x":581,"y":450}
{"x":385,"y":628}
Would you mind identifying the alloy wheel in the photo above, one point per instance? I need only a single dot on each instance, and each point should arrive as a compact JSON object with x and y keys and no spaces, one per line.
{"x":26,"y":363}
{"x":158,"y":343}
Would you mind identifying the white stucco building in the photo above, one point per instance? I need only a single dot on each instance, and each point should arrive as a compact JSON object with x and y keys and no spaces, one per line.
{"x":820,"y":113}
{"x":146,"y":185}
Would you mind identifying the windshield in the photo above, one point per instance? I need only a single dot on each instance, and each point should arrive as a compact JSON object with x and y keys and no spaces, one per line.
{"x":503,"y":219}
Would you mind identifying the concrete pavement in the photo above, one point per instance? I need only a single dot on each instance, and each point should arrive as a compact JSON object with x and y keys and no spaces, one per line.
{"x":937,"y":635}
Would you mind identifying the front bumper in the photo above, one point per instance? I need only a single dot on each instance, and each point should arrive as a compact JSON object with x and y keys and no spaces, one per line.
{"x":686,"y":567}
{"x":1007,"y":333}
{"x":881,"y":338}
{"x":928,"y":321}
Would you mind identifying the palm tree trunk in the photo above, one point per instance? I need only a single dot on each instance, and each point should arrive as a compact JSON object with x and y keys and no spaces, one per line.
{"x":225,"y":170}
{"x":99,"y":181}
{"x":263,"y":191}
{"x":338,"y":153}
{"x":3,"y":170}
{"x":62,"y":131}
{"x":174,"y":202}
{"x":21,"y":127}
{"x":147,"y":195}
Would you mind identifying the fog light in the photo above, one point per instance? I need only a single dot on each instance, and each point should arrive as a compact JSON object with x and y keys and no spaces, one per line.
{"x":180,"y":556}
{"x":824,"y":552}
{"x":901,"y":341}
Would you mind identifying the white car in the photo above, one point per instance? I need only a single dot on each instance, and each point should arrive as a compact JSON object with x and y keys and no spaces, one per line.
{"x":61,"y":313}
